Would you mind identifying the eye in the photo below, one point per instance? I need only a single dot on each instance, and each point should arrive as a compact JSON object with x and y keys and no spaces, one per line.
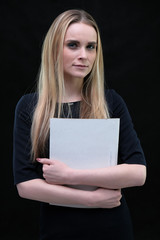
{"x":91,"y":46}
{"x":72,"y":45}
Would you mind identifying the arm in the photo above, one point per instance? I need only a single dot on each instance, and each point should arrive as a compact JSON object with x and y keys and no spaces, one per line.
{"x":116,"y":177}
{"x":40,"y":190}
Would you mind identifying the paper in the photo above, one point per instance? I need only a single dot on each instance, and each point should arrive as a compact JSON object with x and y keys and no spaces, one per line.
{"x":84,"y":143}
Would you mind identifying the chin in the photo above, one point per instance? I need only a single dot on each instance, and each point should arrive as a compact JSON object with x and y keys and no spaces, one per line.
{"x":80,"y":75}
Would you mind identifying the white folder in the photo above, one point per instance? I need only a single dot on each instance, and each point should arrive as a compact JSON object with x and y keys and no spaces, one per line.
{"x":85,"y":143}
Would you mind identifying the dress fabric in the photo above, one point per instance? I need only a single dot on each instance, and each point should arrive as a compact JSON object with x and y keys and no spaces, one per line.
{"x":65,"y":223}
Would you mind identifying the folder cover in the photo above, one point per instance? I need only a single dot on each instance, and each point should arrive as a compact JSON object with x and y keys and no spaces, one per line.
{"x":84,"y":143}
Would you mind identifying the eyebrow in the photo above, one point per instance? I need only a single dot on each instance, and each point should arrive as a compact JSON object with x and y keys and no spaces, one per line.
{"x":76,"y":41}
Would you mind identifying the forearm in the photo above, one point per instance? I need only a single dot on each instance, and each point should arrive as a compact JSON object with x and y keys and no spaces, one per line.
{"x":40,"y":190}
{"x":116,"y":177}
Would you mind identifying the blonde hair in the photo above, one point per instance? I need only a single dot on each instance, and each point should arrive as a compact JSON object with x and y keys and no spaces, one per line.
{"x":51,"y":80}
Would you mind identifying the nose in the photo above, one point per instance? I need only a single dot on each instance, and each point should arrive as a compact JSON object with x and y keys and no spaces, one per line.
{"x":82,"y":53}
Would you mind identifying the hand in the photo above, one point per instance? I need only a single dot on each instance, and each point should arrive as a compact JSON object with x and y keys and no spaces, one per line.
{"x":54,"y":171}
{"x":106,"y":198}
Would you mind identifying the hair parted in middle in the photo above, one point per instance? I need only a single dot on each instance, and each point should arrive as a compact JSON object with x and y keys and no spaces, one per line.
{"x":51,"y":80}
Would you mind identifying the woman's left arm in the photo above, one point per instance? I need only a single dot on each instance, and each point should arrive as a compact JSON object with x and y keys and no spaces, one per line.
{"x":115,"y":177}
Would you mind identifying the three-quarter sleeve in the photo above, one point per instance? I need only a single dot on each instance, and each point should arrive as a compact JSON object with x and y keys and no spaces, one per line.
{"x":130,"y":149}
{"x":23,"y":167}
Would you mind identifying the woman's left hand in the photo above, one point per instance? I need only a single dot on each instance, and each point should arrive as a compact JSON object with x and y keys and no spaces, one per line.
{"x":54,"y":171}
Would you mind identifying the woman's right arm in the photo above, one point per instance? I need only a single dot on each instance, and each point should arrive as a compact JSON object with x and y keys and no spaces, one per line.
{"x":40,"y":190}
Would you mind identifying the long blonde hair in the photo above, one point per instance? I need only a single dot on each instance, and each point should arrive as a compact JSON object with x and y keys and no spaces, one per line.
{"x":51,"y":80}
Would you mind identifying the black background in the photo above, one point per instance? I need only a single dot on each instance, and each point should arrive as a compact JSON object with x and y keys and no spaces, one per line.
{"x":129,"y":32}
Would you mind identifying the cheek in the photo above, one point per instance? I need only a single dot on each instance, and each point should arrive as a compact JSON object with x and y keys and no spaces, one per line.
{"x":68,"y":56}
{"x":65,"y":57}
{"x":66,"y":62}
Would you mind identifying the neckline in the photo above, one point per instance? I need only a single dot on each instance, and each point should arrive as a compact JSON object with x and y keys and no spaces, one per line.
{"x":71,"y":103}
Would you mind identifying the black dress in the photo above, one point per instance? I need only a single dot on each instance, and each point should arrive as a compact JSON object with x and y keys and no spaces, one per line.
{"x":65,"y":223}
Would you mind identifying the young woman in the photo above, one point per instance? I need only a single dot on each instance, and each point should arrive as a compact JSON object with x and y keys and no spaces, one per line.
{"x":71,"y":84}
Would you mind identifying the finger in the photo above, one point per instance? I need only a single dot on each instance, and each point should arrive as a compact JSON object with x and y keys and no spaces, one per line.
{"x":45,"y":161}
{"x":45,"y":167}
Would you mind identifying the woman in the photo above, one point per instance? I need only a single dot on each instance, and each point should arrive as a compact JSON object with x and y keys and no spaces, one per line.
{"x":71,"y":84}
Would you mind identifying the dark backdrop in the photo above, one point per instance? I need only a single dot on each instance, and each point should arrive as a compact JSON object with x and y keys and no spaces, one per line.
{"x":129,"y":31}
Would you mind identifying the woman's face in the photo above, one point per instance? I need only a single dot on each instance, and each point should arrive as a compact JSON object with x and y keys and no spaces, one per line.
{"x":79,"y":51}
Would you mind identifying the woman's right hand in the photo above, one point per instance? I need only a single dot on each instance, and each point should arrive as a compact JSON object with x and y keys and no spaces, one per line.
{"x":106,"y":198}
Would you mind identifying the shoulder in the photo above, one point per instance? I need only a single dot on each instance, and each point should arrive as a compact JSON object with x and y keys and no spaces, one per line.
{"x":27,"y":101}
{"x":116,"y":103}
{"x":26,"y":105}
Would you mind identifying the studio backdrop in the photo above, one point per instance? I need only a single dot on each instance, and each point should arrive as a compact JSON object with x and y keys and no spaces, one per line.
{"x":129,"y":32}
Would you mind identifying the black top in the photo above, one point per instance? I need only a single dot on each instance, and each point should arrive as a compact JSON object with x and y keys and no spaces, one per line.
{"x":54,"y":220}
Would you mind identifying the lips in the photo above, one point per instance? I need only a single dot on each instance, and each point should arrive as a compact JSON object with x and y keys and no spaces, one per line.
{"x":80,"y":66}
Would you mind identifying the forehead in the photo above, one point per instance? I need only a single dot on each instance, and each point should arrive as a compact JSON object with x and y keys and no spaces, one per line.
{"x":81,"y":31}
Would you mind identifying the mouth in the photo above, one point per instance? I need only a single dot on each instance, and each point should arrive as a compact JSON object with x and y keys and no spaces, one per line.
{"x":80,"y":66}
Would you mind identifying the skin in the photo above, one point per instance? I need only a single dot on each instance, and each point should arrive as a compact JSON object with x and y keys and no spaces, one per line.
{"x":79,"y":54}
{"x":115,"y":177}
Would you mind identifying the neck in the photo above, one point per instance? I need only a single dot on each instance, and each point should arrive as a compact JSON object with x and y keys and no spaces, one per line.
{"x":72,"y":90}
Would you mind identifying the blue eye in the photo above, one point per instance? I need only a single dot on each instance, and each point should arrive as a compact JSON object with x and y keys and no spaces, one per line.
{"x":76,"y":44}
{"x":91,"y":46}
{"x":72,"y":45}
